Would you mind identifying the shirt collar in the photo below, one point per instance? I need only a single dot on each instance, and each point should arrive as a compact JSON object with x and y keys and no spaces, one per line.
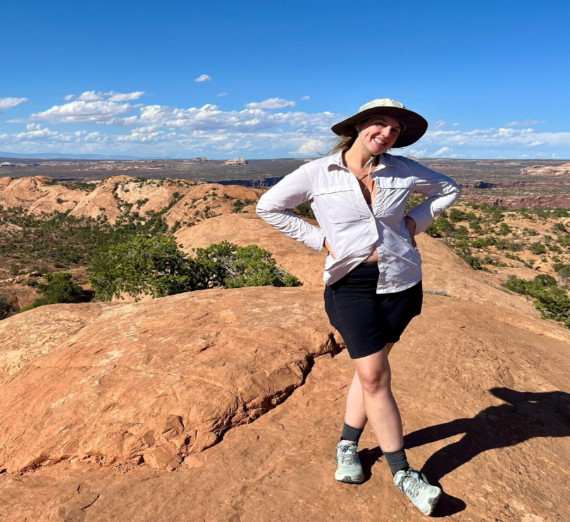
{"x":336,"y":161}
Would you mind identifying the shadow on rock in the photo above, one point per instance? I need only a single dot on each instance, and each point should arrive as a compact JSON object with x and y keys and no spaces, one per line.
{"x":524,"y":415}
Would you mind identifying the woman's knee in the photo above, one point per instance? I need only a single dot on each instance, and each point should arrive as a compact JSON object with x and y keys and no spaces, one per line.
{"x":374,"y":373}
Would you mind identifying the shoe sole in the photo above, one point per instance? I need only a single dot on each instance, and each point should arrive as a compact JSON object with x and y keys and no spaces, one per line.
{"x":347,"y":479}
{"x":432,"y":502}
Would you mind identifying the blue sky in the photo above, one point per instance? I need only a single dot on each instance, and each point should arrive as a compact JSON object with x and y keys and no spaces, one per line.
{"x":263,"y":80}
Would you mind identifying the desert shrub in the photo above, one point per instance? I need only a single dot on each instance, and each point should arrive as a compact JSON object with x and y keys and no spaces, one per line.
{"x":6,"y":309}
{"x":460,"y":232}
{"x":506,"y":244}
{"x":529,"y":232}
{"x":304,"y":210}
{"x":239,"y":205}
{"x":537,"y":248}
{"x":143,"y":265}
{"x":155,"y":266}
{"x":497,"y":215}
{"x":563,"y":271}
{"x":464,"y":253}
{"x":441,"y":227}
{"x":456,"y":215}
{"x":504,"y":229}
{"x":475,"y":226}
{"x":59,"y":288}
{"x":559,"y":228}
{"x":472,"y":217}
{"x":551,"y":301}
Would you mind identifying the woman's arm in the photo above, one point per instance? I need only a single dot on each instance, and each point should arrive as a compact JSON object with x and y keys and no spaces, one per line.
{"x":274,"y":207}
{"x":441,"y":192}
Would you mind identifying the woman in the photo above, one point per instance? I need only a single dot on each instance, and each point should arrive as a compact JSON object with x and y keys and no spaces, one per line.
{"x":373,"y":270}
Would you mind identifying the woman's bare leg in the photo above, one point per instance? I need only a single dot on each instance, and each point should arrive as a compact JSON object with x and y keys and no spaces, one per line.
{"x":355,"y":414}
{"x":380,"y":407}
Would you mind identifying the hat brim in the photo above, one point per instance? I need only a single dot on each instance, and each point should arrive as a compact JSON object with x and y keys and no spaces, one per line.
{"x":416,"y":125}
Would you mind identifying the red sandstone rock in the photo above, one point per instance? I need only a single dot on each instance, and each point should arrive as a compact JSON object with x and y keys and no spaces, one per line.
{"x":155,"y":381}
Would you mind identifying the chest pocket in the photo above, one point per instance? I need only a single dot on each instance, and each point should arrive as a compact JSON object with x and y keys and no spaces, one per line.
{"x":393,"y":193}
{"x":338,"y":204}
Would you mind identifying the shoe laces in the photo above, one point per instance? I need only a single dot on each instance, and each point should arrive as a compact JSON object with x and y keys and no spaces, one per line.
{"x":411,"y":484}
{"x":347,"y":453}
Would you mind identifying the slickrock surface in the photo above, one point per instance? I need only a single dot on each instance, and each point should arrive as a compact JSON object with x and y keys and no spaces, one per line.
{"x":156,"y":381}
{"x":238,"y":392}
{"x":189,"y":202}
{"x":37,"y":195}
{"x":547,"y":170}
{"x":209,"y":200}
{"x":248,"y":229}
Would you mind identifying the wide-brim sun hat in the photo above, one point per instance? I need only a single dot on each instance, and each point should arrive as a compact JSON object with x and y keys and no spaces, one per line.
{"x":415,"y":125}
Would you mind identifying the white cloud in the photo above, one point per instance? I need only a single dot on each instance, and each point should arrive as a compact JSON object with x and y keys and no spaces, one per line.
{"x":69,"y":97}
{"x":90,"y":96}
{"x":222,"y":94}
{"x":8,"y":103}
{"x":312,"y":147}
{"x":123,"y":97}
{"x":258,"y":130}
{"x":441,"y":152}
{"x":210,"y":117}
{"x":524,"y":123}
{"x":305,"y":98}
{"x":79,"y":111}
{"x":271,"y":103}
{"x":113,"y":96}
{"x":203,"y":78}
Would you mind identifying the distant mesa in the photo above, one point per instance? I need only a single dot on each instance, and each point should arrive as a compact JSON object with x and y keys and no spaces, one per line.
{"x":236,"y":161}
{"x":550,"y":171}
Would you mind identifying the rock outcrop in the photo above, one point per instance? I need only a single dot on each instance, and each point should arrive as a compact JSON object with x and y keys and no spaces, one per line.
{"x":182,"y":201}
{"x":151,"y":382}
{"x":38,"y":195}
{"x":547,"y":170}
{"x":236,"y":161}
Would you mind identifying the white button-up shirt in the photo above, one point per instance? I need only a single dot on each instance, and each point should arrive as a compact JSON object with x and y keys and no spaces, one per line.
{"x":352,"y":226}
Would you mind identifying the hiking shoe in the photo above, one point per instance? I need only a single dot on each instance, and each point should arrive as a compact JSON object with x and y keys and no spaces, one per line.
{"x":349,"y":468}
{"x":416,"y":487}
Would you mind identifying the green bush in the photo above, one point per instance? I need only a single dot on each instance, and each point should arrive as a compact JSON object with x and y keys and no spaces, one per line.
{"x":59,"y":288}
{"x":537,"y":248}
{"x":553,"y":302}
{"x":141,"y":265}
{"x":456,"y":215}
{"x":6,"y":310}
{"x":155,"y":266}
{"x":504,"y":229}
{"x":304,"y":210}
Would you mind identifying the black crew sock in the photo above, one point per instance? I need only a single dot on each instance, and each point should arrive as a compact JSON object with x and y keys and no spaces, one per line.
{"x":350,"y":433}
{"x":397,"y":460}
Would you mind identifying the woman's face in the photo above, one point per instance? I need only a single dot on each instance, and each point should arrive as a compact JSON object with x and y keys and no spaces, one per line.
{"x":379,"y":133}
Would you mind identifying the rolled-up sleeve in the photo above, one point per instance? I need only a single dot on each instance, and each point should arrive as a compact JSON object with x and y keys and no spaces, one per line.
{"x":274,"y":208}
{"x":441,"y":193}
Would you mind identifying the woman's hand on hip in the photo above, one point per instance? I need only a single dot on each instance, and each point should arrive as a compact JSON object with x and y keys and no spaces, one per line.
{"x":328,"y":246}
{"x":411,"y":226}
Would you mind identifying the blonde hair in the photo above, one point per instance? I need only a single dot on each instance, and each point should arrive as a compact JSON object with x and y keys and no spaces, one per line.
{"x":343,"y":143}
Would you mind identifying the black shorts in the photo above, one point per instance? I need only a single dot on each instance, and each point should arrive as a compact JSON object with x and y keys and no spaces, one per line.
{"x":366,"y":320}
